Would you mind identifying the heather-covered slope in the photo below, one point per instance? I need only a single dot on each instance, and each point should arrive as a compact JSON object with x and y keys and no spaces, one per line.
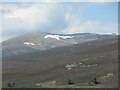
{"x":42,"y":41}
{"x":47,"y":68}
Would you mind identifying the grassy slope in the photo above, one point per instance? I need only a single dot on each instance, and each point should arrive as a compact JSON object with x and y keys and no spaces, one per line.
{"x":51,"y":71}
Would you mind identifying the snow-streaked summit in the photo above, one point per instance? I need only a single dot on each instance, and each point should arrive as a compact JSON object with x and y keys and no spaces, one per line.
{"x":32,"y":42}
{"x":57,"y":37}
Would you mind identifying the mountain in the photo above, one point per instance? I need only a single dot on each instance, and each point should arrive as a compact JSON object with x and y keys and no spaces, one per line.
{"x":43,"y":41}
{"x":48,"y":68}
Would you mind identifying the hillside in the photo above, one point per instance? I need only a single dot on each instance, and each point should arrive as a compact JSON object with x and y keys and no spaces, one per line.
{"x":32,"y":42}
{"x":98,"y":58}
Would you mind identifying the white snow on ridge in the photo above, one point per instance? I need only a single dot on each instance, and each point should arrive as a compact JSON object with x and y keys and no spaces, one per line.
{"x":32,"y":44}
{"x":57,"y":37}
{"x":29,"y":43}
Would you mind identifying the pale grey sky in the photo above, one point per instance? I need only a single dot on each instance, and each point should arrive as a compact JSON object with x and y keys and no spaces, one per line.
{"x":53,"y":17}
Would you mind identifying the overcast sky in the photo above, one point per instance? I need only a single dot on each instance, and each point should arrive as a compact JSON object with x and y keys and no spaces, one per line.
{"x":58,"y":17}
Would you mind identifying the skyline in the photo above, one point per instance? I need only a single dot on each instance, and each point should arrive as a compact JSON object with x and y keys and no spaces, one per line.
{"x":59,"y":17}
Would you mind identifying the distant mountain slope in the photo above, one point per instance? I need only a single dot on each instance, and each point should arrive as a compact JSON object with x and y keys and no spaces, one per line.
{"x":43,"y":41}
{"x":98,"y":58}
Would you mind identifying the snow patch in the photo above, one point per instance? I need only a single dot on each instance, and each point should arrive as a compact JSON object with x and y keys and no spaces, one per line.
{"x":29,"y":43}
{"x":32,"y":44}
{"x":57,"y":37}
{"x":26,"y":43}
